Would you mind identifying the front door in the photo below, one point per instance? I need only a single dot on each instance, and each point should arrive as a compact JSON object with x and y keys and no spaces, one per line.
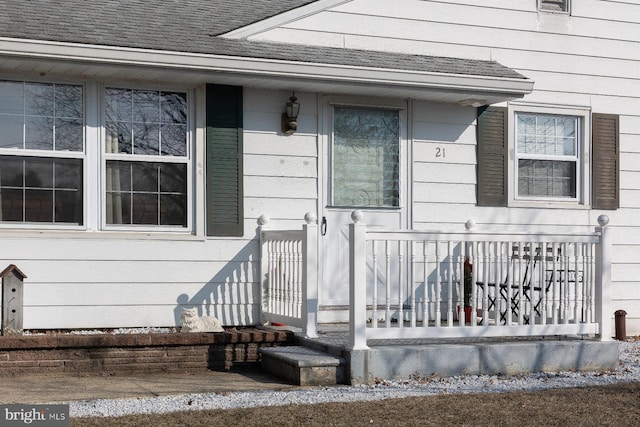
{"x":365,"y":170}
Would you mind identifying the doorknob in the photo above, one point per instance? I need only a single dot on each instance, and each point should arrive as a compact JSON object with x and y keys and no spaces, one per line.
{"x":323,"y":226}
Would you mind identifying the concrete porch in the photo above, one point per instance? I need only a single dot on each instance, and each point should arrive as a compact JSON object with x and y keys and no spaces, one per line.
{"x":422,"y":358}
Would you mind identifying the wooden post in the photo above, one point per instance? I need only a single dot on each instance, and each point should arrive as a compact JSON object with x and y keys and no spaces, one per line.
{"x":357,"y":283}
{"x":603,"y":279}
{"x":310,"y":275}
{"x":12,"y":300}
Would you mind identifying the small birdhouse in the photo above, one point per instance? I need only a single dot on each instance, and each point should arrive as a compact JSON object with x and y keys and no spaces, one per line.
{"x":12,"y":300}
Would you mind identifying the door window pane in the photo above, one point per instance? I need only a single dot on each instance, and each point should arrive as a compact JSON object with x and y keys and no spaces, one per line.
{"x":366,"y":157}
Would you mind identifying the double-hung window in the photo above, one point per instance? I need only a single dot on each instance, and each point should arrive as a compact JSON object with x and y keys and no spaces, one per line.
{"x":547,"y":156}
{"x":42,"y":153}
{"x":51,"y":163}
{"x":146,"y":158}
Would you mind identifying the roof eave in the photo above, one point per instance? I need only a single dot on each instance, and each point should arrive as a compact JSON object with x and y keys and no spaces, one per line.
{"x":494,"y":89}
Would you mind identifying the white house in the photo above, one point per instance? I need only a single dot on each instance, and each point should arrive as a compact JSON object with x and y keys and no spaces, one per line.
{"x":142,"y":141}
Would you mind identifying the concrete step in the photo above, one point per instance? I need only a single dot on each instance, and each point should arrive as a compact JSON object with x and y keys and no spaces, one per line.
{"x":303,"y":366}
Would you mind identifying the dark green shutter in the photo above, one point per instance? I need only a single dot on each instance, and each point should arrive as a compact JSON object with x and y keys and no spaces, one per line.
{"x":492,"y":156}
{"x":605,"y":161}
{"x":225,"y":215}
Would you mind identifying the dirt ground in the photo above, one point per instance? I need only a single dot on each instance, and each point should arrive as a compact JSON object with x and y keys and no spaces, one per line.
{"x":616,"y":405}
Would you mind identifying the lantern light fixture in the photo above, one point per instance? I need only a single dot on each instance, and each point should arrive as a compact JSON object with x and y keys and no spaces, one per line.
{"x":290,"y":116}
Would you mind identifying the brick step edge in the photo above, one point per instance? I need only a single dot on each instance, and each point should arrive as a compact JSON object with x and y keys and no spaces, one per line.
{"x":51,"y":341}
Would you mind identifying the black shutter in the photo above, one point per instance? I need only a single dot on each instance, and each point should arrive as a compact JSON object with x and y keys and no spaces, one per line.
{"x":225,"y":215}
{"x":605,"y":161}
{"x":492,"y":156}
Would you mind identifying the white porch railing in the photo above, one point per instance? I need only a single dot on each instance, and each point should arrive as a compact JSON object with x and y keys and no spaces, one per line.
{"x":289,"y":275}
{"x":410,"y":284}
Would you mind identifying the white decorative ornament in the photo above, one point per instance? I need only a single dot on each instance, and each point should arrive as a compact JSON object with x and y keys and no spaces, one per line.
{"x":191,"y":322}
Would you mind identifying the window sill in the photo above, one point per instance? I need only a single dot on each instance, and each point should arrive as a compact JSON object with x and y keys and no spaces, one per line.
{"x":548,"y":204}
{"x":110,"y":235}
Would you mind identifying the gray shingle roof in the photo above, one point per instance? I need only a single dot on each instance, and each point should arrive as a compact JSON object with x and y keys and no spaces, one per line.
{"x":194,"y":26}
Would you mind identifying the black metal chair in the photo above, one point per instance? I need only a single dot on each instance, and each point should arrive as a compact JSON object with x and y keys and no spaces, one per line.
{"x":502,"y":287}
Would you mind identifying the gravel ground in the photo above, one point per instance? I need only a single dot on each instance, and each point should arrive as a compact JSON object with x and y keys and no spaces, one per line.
{"x":627,"y":371}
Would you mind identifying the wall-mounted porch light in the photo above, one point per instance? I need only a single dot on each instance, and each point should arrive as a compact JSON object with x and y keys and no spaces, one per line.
{"x":473,"y":102}
{"x":290,"y":116}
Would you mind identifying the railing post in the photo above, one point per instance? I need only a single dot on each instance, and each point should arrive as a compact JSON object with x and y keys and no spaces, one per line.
{"x":603,"y":279}
{"x":310,"y":275}
{"x":357,"y":283}
{"x":264,"y":265}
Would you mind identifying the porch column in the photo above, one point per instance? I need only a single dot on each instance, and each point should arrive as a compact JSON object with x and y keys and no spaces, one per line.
{"x":310,"y":275}
{"x":357,"y":283}
{"x":603,"y":279}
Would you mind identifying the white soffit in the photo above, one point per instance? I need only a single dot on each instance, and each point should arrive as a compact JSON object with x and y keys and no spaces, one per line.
{"x":114,"y":62}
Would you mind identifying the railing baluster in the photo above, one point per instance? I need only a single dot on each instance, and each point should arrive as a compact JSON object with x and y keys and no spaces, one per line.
{"x":298,"y":287}
{"x":589,"y":282}
{"x":485,"y":281}
{"x":449,"y":285}
{"x":412,"y":283}
{"x":535,"y":279}
{"x":400,"y":285}
{"x":543,"y":284}
{"x":503,"y":280}
{"x":474,"y":283}
{"x":374,"y":314}
{"x":565,"y":283}
{"x":577,"y":285}
{"x":387,"y":283}
{"x":494,"y":278}
{"x":425,"y":289}
{"x":459,"y":274}
{"x":271,"y":271}
{"x":555,"y":289}
{"x":438,"y":287}
{"x":522,"y":276}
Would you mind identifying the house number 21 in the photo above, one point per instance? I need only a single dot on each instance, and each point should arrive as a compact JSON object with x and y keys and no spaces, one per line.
{"x":440,"y":152}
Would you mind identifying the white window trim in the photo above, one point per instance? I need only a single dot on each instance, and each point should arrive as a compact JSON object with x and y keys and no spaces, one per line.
{"x":145,"y":158}
{"x":583,"y":170}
